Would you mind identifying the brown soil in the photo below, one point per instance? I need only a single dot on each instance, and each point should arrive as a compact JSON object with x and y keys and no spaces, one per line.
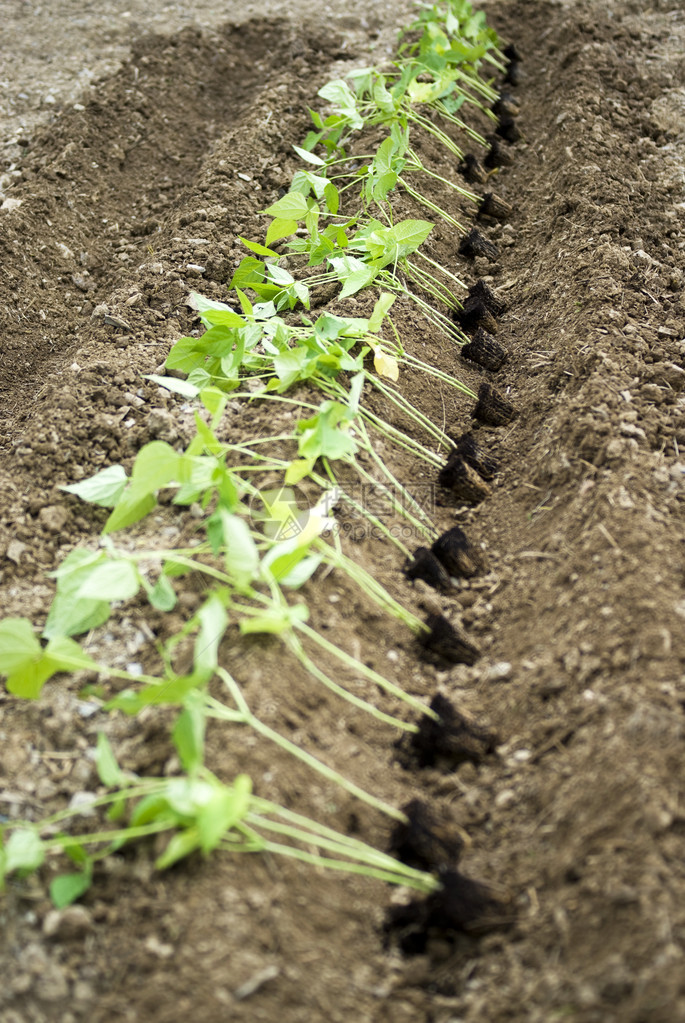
{"x":572,"y":813}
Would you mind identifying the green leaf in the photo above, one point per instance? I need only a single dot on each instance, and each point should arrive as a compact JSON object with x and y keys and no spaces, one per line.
{"x":226,"y":808}
{"x":180,"y":845}
{"x":217,"y":312}
{"x":261,"y":250}
{"x":182,"y":387}
{"x":119,"y":579}
{"x":104,"y":488}
{"x":66,"y":655}
{"x":130,"y":509}
{"x":382,"y":185}
{"x":326,"y":433}
{"x":280,"y":228}
{"x":29,"y":680}
{"x":67,"y":888}
{"x":280,"y":276}
{"x":69,"y":613}
{"x":109,"y":772}
{"x":409,"y":234}
{"x":19,"y":646}
{"x":332,"y":197}
{"x":162,"y":596}
{"x":298,"y":469}
{"x":380,"y":311}
{"x":24,"y":852}
{"x":274,"y":621}
{"x":293,"y":206}
{"x":309,"y":157}
{"x":189,"y":734}
{"x":241,"y":557}
{"x":213,"y":621}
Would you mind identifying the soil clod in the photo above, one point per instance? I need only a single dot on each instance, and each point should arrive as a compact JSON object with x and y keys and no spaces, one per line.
{"x":424,"y":841}
{"x":462,"y":480}
{"x":426,"y":566}
{"x":493,"y":408}
{"x":448,"y":642}
{"x":474,"y":244}
{"x":485,"y":351}
{"x":454,"y":551}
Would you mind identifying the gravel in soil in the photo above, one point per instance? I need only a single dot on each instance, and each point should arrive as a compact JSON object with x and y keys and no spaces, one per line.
{"x":569,"y":814}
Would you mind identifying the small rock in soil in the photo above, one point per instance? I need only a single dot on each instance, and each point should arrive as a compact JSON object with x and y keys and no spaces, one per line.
{"x":462,"y":481}
{"x":424,"y":841}
{"x":493,"y":408}
{"x":424,"y":565}
{"x":53,"y":518}
{"x":452,"y":740}
{"x":454,"y":551}
{"x":67,"y":924}
{"x":485,"y":351}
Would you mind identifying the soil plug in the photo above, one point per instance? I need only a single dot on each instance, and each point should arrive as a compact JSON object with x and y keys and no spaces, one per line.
{"x":498,"y":155}
{"x":508,"y":129}
{"x":511,"y":53}
{"x":494,"y":207}
{"x":507,"y":105}
{"x":460,"y":906}
{"x":484,"y":293}
{"x":423,"y":841}
{"x":485,"y":351}
{"x":473,"y":170}
{"x":513,"y":75}
{"x":493,"y":408}
{"x":474,"y":244}
{"x":458,"y":556}
{"x":426,"y":566}
{"x":462,"y":481}
{"x":448,"y":643}
{"x":475,"y":313}
{"x":470,"y":451}
{"x":453,"y":740}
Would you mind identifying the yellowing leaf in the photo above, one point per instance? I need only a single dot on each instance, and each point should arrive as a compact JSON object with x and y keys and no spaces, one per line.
{"x":384,"y":364}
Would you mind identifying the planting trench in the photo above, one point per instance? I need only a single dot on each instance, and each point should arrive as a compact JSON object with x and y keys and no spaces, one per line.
{"x":572,"y":812}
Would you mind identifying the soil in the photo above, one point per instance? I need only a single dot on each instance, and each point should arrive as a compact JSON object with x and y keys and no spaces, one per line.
{"x":133,"y":163}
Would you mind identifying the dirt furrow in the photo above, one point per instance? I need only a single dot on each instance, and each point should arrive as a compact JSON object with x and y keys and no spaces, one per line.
{"x":573,"y":811}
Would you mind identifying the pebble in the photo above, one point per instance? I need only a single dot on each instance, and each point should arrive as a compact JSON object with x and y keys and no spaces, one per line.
{"x":53,"y":518}
{"x":499,"y":672}
{"x":68,"y":924}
